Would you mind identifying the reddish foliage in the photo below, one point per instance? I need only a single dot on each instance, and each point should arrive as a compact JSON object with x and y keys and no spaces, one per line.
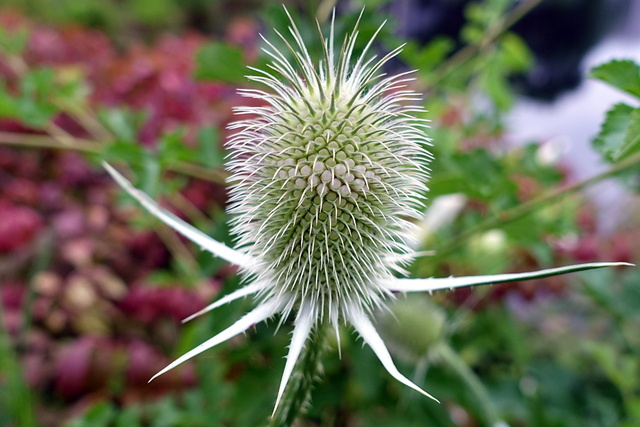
{"x":87,"y":320}
{"x":89,"y":364}
{"x":19,"y":225}
{"x":150,"y":304}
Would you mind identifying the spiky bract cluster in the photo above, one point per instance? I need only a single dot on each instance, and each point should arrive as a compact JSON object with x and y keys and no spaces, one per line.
{"x":326,"y":176}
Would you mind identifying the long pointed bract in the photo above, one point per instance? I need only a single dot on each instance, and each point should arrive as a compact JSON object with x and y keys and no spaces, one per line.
{"x":434,"y":284}
{"x":304,"y":323}
{"x":196,"y":236}
{"x":242,"y":292}
{"x":368,"y":332}
{"x":257,"y":315}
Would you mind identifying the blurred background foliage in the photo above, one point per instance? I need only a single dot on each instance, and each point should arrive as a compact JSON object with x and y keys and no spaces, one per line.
{"x":93,"y":289}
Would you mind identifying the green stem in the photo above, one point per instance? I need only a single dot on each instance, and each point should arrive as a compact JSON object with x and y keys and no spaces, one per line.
{"x":15,"y":396}
{"x":492,"y":33}
{"x":87,"y":146}
{"x":46,"y":141}
{"x":530,"y":206}
{"x":489,"y":413}
{"x":297,"y":395}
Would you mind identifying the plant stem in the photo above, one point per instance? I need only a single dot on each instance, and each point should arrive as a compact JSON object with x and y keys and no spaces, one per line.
{"x":69,"y":142}
{"x":297,"y":395}
{"x":15,"y":395}
{"x":493,"y":32}
{"x":489,"y":413}
{"x":186,"y":261}
{"x":219,"y":176}
{"x":530,"y":206}
{"x":46,"y":141}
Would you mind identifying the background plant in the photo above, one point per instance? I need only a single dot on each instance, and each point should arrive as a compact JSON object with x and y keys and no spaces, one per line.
{"x":91,"y":308}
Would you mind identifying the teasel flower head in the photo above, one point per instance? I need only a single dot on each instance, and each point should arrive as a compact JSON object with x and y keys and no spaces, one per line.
{"x":325,"y":180}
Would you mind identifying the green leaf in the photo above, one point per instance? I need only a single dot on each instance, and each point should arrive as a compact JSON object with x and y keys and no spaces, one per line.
{"x":517,"y":56}
{"x":616,"y":137}
{"x":621,"y":74}
{"x":209,"y":148}
{"x":427,"y":58}
{"x":128,"y":417}
{"x":124,"y":151}
{"x":72,"y":87}
{"x":33,"y":113}
{"x":220,"y":62}
{"x":494,"y":82}
{"x":151,"y":175}
{"x":33,"y":107}
{"x":15,"y":41}
{"x":459,"y":172}
{"x":154,"y":12}
{"x":8,"y":104}
{"x":172,"y":149}
{"x":100,"y":415}
{"x":37,"y":83}
{"x":631,"y":144}
{"x":123,"y":123}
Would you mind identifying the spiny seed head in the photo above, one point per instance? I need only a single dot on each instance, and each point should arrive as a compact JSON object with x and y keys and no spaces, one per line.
{"x":326,"y":176}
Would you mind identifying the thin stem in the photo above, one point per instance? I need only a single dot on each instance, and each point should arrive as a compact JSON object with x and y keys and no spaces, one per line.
{"x":64,"y":141}
{"x":82,"y":116}
{"x":308,"y":369}
{"x":530,"y":206}
{"x":101,"y":137}
{"x":186,"y":261}
{"x":46,"y":141}
{"x":184,"y":205}
{"x":86,"y":120}
{"x":218,"y":176}
{"x":466,"y":53}
{"x":489,"y":413}
{"x":61,"y":135}
{"x":19,"y":399}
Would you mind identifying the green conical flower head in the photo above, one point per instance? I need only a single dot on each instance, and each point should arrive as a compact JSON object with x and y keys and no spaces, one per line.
{"x":326,"y":176}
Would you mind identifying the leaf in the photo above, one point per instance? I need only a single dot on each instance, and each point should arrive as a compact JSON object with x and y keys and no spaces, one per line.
{"x":460,"y":173}
{"x":14,"y":41}
{"x":209,"y":147}
{"x":38,"y":83}
{"x":613,"y":140}
{"x":427,"y":58}
{"x":100,"y":415}
{"x":220,"y":62}
{"x":33,"y":113}
{"x":8,"y":104}
{"x":631,"y":144}
{"x":621,"y":74}
{"x":151,"y":175}
{"x":72,"y":87}
{"x":124,"y":151}
{"x":172,"y":149}
{"x":33,"y":107}
{"x":123,"y":123}
{"x":494,"y":82}
{"x":517,"y":56}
